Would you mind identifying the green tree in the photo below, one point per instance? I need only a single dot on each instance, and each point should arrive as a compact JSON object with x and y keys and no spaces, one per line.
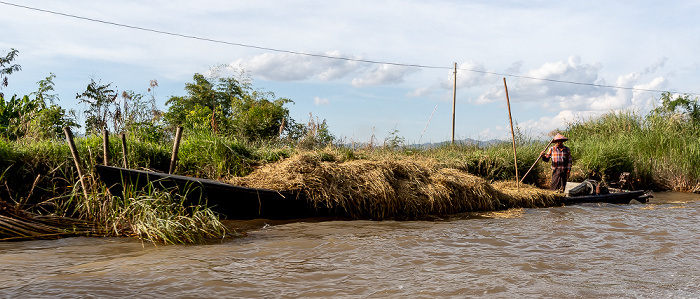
{"x":682,"y":108}
{"x":258,"y":116}
{"x":103,"y":108}
{"x":230,"y":106}
{"x":6,"y":68}
{"x":37,"y":117}
{"x":209,"y":102}
{"x":141,"y":116}
{"x":50,"y":118}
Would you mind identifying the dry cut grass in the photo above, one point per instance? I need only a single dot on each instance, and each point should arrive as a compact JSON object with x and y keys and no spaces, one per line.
{"x":392,"y":187}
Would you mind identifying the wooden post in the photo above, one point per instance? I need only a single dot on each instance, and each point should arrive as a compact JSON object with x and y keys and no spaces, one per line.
{"x":76,"y":158}
{"x":512,"y":133}
{"x":454,"y":102}
{"x":176,"y":145}
{"x":105,"y":147}
{"x":123,"y":138}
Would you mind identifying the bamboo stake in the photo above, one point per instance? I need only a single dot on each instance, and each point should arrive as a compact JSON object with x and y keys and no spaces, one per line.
{"x":538,"y":160}
{"x":176,"y":145}
{"x":105,"y":147}
{"x":454,"y":102}
{"x":512,"y":133}
{"x":123,"y":138}
{"x":76,"y":158}
{"x":426,"y":125}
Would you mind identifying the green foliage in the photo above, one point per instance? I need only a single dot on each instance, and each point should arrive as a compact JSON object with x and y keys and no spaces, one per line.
{"x":315,"y":134}
{"x":131,"y":112}
{"x":50,"y":119}
{"x":207,"y":105}
{"x":256,"y":116}
{"x":6,"y":68}
{"x":229,"y":106}
{"x":102,"y":106}
{"x":680,"y":109}
{"x":661,"y":150}
{"x":37,"y":118}
{"x":394,"y":140}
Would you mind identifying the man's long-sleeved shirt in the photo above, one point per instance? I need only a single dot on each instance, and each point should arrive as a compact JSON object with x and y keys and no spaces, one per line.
{"x":561,"y":158}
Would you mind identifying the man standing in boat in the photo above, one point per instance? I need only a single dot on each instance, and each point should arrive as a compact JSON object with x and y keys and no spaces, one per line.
{"x":561,"y":162}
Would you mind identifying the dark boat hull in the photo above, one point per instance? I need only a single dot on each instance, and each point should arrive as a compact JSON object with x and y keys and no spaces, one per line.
{"x":614,"y":198}
{"x":235,"y":202}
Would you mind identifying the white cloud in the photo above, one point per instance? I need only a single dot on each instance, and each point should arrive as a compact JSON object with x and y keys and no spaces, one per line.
{"x":471,"y":73}
{"x":383,"y":74}
{"x":420,"y":92}
{"x":295,"y":67}
{"x":321,"y":101}
{"x":570,"y":70}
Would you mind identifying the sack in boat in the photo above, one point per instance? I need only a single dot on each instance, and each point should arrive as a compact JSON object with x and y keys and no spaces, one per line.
{"x":588,"y":187}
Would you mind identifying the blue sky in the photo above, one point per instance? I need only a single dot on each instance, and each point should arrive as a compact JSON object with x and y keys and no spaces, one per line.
{"x":642,"y":46}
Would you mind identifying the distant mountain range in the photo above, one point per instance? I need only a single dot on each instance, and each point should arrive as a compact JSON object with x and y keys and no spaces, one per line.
{"x":468,"y":141}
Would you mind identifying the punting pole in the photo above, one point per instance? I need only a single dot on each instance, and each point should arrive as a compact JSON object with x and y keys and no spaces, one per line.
{"x":76,"y":158}
{"x":538,"y":159}
{"x":512,"y":133}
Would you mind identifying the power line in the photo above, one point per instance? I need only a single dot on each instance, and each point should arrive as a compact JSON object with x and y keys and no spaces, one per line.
{"x":221,"y":41}
{"x":322,"y":55}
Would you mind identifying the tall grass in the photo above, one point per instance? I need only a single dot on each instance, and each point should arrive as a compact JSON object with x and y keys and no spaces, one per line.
{"x":41,"y":177}
{"x":659,"y":153}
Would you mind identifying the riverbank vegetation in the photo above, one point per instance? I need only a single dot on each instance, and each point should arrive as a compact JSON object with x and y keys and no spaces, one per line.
{"x":237,"y":134}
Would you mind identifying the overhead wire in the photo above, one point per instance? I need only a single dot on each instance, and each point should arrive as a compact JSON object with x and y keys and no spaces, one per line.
{"x":323,"y":55}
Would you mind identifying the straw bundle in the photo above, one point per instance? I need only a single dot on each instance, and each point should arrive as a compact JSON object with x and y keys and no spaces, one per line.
{"x":387,"y":188}
{"x":20,"y":225}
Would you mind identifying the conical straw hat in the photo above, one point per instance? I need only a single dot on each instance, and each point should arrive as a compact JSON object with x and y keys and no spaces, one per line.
{"x":560,"y":137}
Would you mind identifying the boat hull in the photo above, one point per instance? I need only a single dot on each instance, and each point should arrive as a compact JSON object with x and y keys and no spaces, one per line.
{"x":234,"y":202}
{"x":641,"y":196}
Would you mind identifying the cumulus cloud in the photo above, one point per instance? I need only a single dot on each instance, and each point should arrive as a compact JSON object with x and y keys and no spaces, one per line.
{"x":383,"y":74}
{"x":470,"y":74}
{"x":588,"y":93}
{"x":547,"y":124}
{"x":572,"y":103}
{"x":571,"y":70}
{"x":321,"y":101}
{"x":420,"y":92}
{"x":295,"y":67}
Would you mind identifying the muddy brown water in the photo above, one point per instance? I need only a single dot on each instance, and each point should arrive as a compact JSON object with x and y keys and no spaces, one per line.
{"x":579,"y":251}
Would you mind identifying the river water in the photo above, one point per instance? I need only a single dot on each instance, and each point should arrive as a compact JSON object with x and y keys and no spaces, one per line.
{"x":580,"y":251}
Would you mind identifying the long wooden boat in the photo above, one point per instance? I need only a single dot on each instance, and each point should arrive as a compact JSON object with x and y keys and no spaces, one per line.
{"x":623,"y":197}
{"x":234,"y":202}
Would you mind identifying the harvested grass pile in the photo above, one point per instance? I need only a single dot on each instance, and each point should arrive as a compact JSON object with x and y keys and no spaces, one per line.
{"x":391,"y":188}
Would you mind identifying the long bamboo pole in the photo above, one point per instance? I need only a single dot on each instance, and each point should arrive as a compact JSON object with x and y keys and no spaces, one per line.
{"x":454,"y":102}
{"x":76,"y":158}
{"x":538,"y":160}
{"x":512,"y":134}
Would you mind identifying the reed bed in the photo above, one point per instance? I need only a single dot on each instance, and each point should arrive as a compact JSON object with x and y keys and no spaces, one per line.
{"x":161,"y":217}
{"x":409,"y":187}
